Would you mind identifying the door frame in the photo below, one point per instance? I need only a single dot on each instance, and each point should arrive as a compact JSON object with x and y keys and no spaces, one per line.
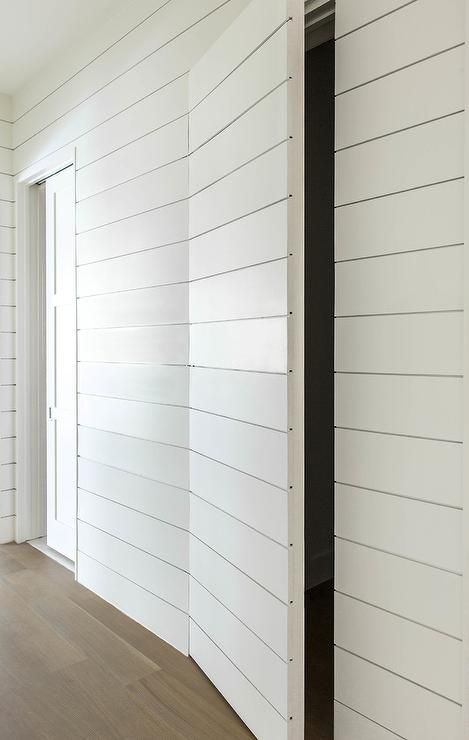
{"x":31,"y":431}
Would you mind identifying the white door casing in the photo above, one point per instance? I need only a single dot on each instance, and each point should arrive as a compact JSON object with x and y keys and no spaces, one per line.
{"x":61,"y":362}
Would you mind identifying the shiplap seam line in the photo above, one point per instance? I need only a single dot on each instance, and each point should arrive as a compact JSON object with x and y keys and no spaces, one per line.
{"x":178,"y":406}
{"x":400,"y":130}
{"x":92,"y":61}
{"x":240,"y":570}
{"x":179,"y":323}
{"x":399,"y":495}
{"x":377,"y":724}
{"x":238,"y":470}
{"x":405,"y":4}
{"x":130,"y":472}
{"x":401,"y":252}
{"x":389,"y":194}
{"x":132,"y":141}
{"x":241,"y":63}
{"x":171,"y":364}
{"x":237,"y":667}
{"x":399,"y":69}
{"x":239,"y":619}
{"x":396,"y":375}
{"x":396,"y":614}
{"x":132,"y":179}
{"x":238,"y":117}
{"x":240,"y":521}
{"x":157,"y":596}
{"x":398,"y":675}
{"x":399,"y":434}
{"x":129,"y":254}
{"x":126,"y":71}
{"x":134,"y":436}
{"x":132,"y":508}
{"x":101,"y":123}
{"x":6,"y":200}
{"x":182,"y":282}
{"x":402,"y":557}
{"x":398,"y":313}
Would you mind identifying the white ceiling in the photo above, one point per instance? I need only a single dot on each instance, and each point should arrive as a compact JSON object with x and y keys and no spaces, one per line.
{"x":34,"y":32}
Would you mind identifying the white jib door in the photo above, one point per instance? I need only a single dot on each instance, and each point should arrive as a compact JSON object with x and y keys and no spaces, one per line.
{"x":61,"y":363}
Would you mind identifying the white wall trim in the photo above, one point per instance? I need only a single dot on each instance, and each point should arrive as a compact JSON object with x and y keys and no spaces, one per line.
{"x":29,"y":504}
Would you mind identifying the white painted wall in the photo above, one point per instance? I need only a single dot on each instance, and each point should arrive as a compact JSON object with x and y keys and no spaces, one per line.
{"x":7,"y":326}
{"x":399,"y":300}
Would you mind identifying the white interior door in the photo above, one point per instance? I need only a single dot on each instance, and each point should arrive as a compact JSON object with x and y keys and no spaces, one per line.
{"x":61,"y":362}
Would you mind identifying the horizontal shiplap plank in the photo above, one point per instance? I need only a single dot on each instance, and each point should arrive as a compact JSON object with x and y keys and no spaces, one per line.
{"x":8,"y":450}
{"x":400,"y":404}
{"x":258,"y":451}
{"x":7,"y":240}
{"x":414,"y":95}
{"x":160,"y":344}
{"x":258,"y":610}
{"x":262,"y":127}
{"x":7,"y":318}
{"x":244,"y":497}
{"x":6,"y":129}
{"x":348,"y":725}
{"x":408,"y":159}
{"x":164,"y":620}
{"x":254,"y":186}
{"x":7,"y":477}
{"x":417,"y":530}
{"x":144,"y":306}
{"x":417,"y":468}
{"x":402,"y":706}
{"x":6,"y":187}
{"x":350,"y":16}
{"x":168,"y":465}
{"x":419,"y":219}
{"x":400,"y":586}
{"x":156,"y":499}
{"x":168,"y":225}
{"x":255,"y":398}
{"x":266,"y":671}
{"x":241,"y":694}
{"x":152,"y":190}
{"x":140,"y":119}
{"x":7,"y":529}
{"x":249,"y":30}
{"x":8,"y":423}
{"x":7,"y":292}
{"x":142,"y":270}
{"x":395,"y":41}
{"x":256,"y":77}
{"x":154,"y":383}
{"x":7,"y":504}
{"x":155,"y":71}
{"x":157,"y":423}
{"x":258,"y":344}
{"x":430,"y":280}
{"x":7,"y":371}
{"x":7,"y":346}
{"x":7,"y":398}
{"x":7,"y":214}
{"x":256,"y":238}
{"x":414,"y":343}
{"x":263,"y":289}
{"x":264,"y":561}
{"x":153,"y":151}
{"x":151,"y":535}
{"x":417,"y":653}
{"x":150,"y":573}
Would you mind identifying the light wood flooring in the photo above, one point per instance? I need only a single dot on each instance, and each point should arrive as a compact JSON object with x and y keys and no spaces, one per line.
{"x":72,"y":666}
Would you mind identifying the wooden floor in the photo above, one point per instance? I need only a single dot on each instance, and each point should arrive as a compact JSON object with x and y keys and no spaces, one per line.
{"x":72,"y":666}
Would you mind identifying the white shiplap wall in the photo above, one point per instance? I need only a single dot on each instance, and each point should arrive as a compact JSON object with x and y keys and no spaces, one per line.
{"x":399,"y":300}
{"x":122,"y":99}
{"x":7,"y":326}
{"x":240,"y":146}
